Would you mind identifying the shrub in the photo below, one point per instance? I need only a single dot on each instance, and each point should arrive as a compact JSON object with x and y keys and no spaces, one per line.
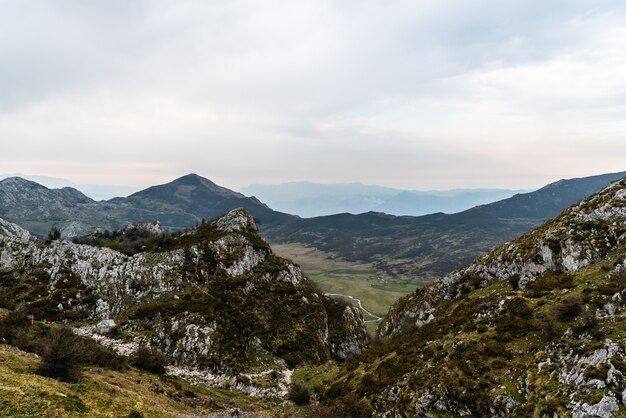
{"x":299,"y":394}
{"x":550,"y":281}
{"x":568,"y":308}
{"x":292,"y":360}
{"x":150,"y":359}
{"x":550,"y":330}
{"x":589,"y":323}
{"x":63,"y":355}
{"x":6,"y":301}
{"x":54,"y":234}
{"x":514,"y":281}
{"x":350,"y":406}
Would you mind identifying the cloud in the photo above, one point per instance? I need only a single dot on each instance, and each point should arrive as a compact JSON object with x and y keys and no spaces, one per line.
{"x":412,"y":94}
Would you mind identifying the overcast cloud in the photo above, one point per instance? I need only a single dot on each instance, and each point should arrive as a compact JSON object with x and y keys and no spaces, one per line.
{"x":411,"y":94}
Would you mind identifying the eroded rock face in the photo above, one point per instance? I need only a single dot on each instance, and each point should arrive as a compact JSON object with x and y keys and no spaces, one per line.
{"x":216,"y":303}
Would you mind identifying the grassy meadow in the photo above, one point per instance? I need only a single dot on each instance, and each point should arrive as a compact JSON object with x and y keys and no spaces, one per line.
{"x":376,"y":291}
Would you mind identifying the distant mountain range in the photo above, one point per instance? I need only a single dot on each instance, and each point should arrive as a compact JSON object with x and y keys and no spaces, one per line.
{"x":312,"y":199}
{"x":426,"y":247}
{"x":418,"y":248}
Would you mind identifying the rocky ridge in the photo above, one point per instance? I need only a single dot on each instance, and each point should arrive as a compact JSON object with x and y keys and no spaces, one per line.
{"x":215,"y":300}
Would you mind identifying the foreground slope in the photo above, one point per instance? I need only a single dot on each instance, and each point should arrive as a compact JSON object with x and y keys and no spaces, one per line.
{"x":214,"y":299}
{"x":104,"y":392}
{"x":537,"y":327}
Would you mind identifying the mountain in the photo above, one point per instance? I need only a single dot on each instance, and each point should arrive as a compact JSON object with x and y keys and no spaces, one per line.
{"x":179,"y":204}
{"x":414,"y":248}
{"x":185,"y":202}
{"x":214,"y":299}
{"x":534,"y":328}
{"x":311,"y":199}
{"x":38,"y":208}
{"x":425,"y":247}
{"x":94,"y":191}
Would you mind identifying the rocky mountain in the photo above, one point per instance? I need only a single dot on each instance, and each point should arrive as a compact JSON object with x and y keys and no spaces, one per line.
{"x":214,"y":299}
{"x":38,"y":208}
{"x":426,"y":247}
{"x":308,"y":199}
{"x":415,"y":248}
{"x":534,"y":328}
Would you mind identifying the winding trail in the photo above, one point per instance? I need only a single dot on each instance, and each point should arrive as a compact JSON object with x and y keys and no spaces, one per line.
{"x":377,"y":318}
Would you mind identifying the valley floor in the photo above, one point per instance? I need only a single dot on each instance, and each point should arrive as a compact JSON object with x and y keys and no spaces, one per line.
{"x":377,"y":292}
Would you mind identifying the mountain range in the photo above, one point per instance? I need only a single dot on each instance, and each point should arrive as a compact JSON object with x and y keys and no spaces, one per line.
{"x":535,"y":327}
{"x":418,"y":248}
{"x":308,"y":199}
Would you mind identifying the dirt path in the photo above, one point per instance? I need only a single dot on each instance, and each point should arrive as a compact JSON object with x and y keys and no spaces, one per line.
{"x":376,"y":317}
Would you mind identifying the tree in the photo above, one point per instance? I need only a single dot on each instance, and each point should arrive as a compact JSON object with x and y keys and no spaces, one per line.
{"x":54,"y":234}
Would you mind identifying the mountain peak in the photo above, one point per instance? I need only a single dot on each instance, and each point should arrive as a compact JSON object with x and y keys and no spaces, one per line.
{"x":199,"y":181}
{"x":20,"y":182}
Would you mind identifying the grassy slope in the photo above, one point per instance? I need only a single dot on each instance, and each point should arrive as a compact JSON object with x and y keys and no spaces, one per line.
{"x":105,"y":393}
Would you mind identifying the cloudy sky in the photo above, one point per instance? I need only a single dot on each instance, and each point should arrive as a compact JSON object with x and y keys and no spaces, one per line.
{"x":413,"y":94}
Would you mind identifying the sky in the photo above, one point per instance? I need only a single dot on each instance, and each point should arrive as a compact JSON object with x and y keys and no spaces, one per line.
{"x":407,"y":94}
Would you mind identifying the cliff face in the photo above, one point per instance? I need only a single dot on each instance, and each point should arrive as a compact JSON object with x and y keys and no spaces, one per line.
{"x":537,"y":327}
{"x":214,"y":299}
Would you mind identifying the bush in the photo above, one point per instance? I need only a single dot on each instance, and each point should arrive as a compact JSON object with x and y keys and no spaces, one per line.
{"x":299,"y":394}
{"x":550,"y":330}
{"x":550,"y":281}
{"x":589,"y":323}
{"x":63,"y":355}
{"x":569,"y":308}
{"x":54,"y":234}
{"x":6,"y":301}
{"x":150,"y":359}
{"x":514,"y":281}
{"x":350,"y":406}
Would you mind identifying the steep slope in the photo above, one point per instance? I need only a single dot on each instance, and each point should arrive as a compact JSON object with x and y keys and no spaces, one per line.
{"x":214,"y":299}
{"x":536,"y":327}
{"x":426,"y":247}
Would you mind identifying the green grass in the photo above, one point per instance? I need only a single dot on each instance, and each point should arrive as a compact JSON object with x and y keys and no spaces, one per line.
{"x":102,"y":392}
{"x":377,"y":292}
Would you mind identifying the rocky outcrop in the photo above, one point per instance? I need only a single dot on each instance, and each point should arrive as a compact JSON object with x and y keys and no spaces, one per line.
{"x":215,"y":299}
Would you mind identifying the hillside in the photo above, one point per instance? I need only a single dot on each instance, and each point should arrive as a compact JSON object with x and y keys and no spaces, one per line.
{"x":534,"y":328}
{"x":105,"y":392}
{"x":215,"y":300}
